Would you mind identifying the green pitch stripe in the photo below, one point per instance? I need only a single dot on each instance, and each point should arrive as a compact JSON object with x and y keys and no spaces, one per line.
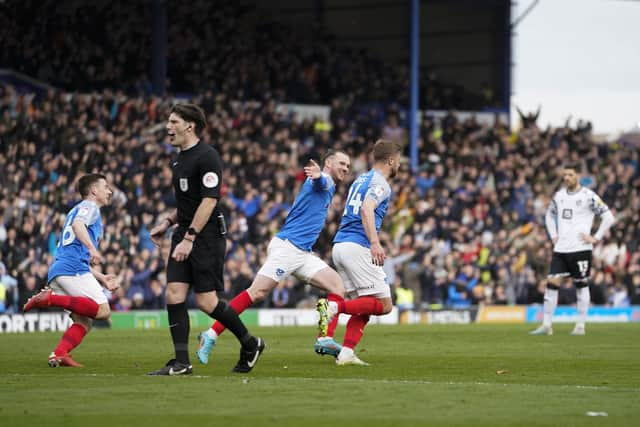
{"x":152,"y":319}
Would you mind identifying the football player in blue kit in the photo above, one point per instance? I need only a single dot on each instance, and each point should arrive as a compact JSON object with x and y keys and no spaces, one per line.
{"x":74,"y":278}
{"x":289,"y":252}
{"x":358,"y":253}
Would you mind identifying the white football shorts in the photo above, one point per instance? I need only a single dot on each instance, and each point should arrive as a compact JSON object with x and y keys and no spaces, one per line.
{"x":84,"y":285}
{"x":360,"y":276}
{"x":285,"y":259}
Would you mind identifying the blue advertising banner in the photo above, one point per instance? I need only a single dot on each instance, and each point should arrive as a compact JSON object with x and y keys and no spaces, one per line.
{"x":594,"y":315}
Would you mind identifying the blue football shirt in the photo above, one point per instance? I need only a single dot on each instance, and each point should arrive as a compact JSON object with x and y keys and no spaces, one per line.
{"x":72,"y":257}
{"x":309,"y":212}
{"x":368,"y":185}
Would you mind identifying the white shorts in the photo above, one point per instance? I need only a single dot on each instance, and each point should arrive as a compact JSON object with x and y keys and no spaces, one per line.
{"x":84,"y":285}
{"x":284,"y":259}
{"x":359,"y":275}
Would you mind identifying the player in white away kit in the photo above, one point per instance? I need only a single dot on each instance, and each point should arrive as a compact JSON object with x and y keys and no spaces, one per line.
{"x":73,"y":279}
{"x":569,"y":220}
{"x":289,"y":252}
{"x":358,"y":254}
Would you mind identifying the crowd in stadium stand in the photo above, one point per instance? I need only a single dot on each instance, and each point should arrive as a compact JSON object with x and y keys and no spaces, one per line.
{"x":226,"y":46}
{"x":467,"y":229}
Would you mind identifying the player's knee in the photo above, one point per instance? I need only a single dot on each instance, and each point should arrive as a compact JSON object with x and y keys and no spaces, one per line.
{"x":204,"y":306}
{"x":257,"y":293}
{"x":174,"y":296}
{"x":260,"y":288}
{"x":84,"y":321}
{"x":387,"y":305}
{"x":330,"y":281}
{"x":103,"y":312}
{"x":335,"y":286}
{"x":207,"y":303}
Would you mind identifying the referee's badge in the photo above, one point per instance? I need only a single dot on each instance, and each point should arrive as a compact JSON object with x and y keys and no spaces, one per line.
{"x":210,"y":180}
{"x":184,"y":184}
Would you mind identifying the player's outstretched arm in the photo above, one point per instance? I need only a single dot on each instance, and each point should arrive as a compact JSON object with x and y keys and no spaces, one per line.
{"x":312,"y":170}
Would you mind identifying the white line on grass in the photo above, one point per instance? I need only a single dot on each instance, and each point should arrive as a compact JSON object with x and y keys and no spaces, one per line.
{"x":378,"y":380}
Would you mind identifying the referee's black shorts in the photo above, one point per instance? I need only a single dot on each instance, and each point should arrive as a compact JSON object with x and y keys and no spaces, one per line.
{"x":574,"y":264}
{"x":204,"y":268}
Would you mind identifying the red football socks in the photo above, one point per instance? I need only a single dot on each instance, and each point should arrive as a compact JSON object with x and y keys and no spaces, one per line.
{"x":355,"y":329}
{"x":240,"y":303}
{"x":361,"y":306}
{"x":71,"y":339}
{"x":331,"y":328}
{"x":79,"y":305}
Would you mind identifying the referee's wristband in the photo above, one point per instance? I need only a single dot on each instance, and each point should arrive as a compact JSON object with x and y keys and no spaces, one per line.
{"x":188,"y":240}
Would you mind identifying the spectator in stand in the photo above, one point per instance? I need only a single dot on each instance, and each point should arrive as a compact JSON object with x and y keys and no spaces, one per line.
{"x":461,"y":289}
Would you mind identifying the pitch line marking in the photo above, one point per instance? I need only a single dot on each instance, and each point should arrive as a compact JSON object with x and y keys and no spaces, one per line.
{"x":362,"y":380}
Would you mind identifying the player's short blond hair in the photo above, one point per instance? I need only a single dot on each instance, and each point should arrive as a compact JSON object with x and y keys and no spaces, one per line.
{"x":329,"y":154}
{"x":384,"y":149}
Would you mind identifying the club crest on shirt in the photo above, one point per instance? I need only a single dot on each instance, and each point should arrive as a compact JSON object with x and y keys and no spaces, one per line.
{"x":184,"y":184}
{"x":578,"y":203}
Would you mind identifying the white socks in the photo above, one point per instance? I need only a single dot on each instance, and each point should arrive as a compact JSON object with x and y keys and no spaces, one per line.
{"x":333,"y":308}
{"x":211,"y":334}
{"x":345,"y":353}
{"x":550,"y":303}
{"x":584,"y":299}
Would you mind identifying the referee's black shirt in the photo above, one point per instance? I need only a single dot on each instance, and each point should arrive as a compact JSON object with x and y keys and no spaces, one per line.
{"x":197,"y":173}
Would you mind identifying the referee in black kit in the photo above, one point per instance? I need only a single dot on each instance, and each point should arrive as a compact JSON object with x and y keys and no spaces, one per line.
{"x":198,"y":243}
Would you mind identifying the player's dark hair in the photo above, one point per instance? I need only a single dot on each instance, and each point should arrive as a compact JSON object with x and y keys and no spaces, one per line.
{"x":86,"y":182}
{"x":191,"y":113}
{"x":330,"y":153}
{"x":576,"y":166}
{"x":384,"y":149}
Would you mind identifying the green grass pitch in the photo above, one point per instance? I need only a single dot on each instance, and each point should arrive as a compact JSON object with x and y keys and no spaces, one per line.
{"x":475,"y":375}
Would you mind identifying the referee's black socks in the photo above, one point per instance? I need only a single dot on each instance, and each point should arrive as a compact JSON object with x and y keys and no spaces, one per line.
{"x":179,"y":327}
{"x":229,"y":318}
